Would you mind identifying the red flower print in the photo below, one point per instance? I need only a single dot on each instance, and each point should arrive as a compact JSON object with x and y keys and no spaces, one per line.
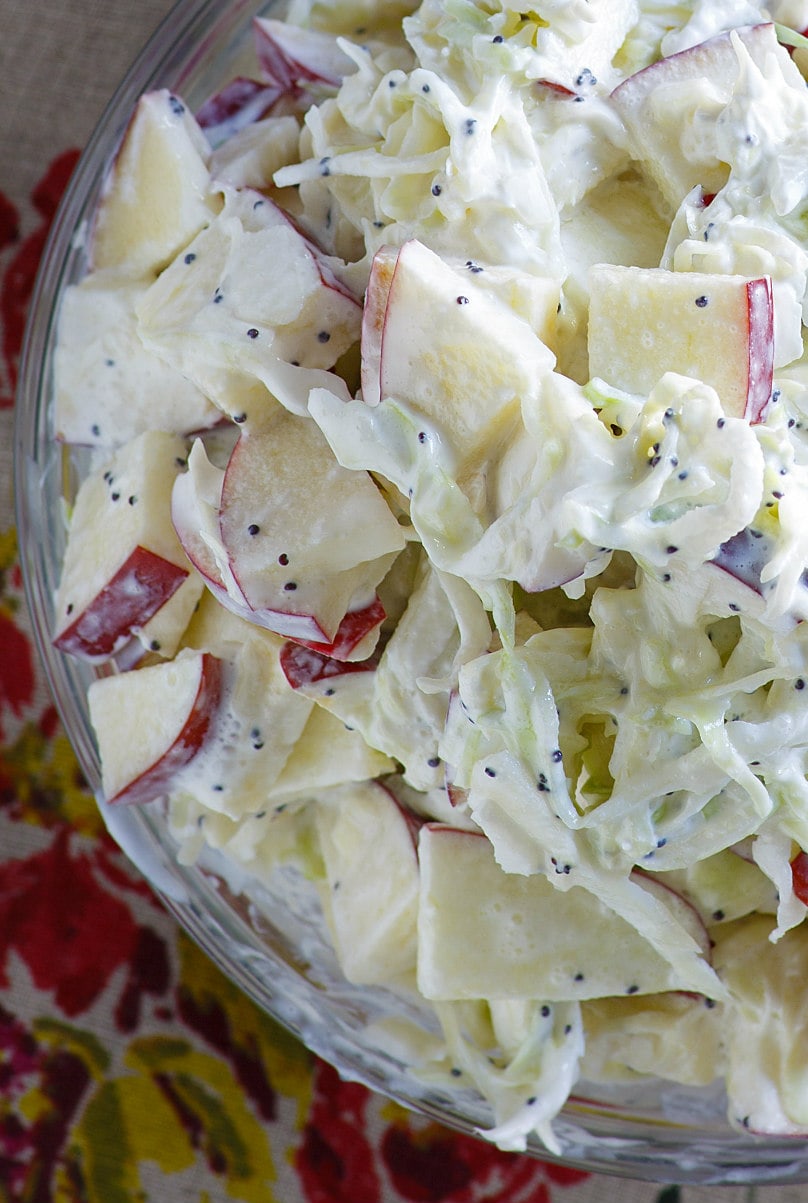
{"x":70,"y":932}
{"x":432,"y":1165}
{"x":335,"y":1161}
{"x":16,"y":669}
{"x":18,"y":279}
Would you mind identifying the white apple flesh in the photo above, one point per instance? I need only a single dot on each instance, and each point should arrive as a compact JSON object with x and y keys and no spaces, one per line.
{"x":167,"y":712}
{"x":157,"y":196}
{"x":484,"y":933}
{"x":109,"y":387}
{"x":644,"y":322}
{"x":372,"y":882}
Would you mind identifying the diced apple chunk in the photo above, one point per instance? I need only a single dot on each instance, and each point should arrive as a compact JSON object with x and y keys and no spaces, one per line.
{"x":108,"y":387}
{"x":372,"y":882}
{"x":644,"y":322}
{"x":484,"y":933}
{"x":123,"y":564}
{"x":308,"y":541}
{"x":157,"y":197}
{"x":152,"y":722}
{"x":436,"y":338}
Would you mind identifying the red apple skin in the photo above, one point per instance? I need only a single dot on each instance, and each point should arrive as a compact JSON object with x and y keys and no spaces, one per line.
{"x":159,"y":778}
{"x":239,"y":103}
{"x":760,"y":310}
{"x":302,"y":666}
{"x":799,"y":876}
{"x":351,"y":631}
{"x":142,"y":584}
{"x":289,"y":56}
{"x":744,"y":557}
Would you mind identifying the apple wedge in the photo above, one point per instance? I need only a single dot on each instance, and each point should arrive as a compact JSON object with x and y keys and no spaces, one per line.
{"x":484,"y":933}
{"x":644,"y":322}
{"x":371,"y":896}
{"x":436,"y":337}
{"x":307,"y":540}
{"x":670,"y":109}
{"x":125,"y":575}
{"x":108,"y":387}
{"x":171,"y":706}
{"x":157,"y":196}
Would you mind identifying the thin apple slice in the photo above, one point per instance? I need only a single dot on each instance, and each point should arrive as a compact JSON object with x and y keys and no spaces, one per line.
{"x":240,"y":103}
{"x":437,"y":339}
{"x":123,"y":565}
{"x":644,"y":322}
{"x":484,"y":933}
{"x":302,"y":556}
{"x":158,"y":194}
{"x":292,"y":58}
{"x":171,"y":707}
{"x":671,"y":108}
{"x":195,"y":506}
{"x":109,"y":387}
{"x":371,"y":900}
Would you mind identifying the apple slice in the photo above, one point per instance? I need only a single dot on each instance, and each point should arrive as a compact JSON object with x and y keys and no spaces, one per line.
{"x":438,"y":339}
{"x":171,"y":706}
{"x":123,"y":566}
{"x":371,"y":868}
{"x":671,"y":108}
{"x":484,"y":933}
{"x":303,"y":555}
{"x":157,"y":196}
{"x":195,"y":506}
{"x":254,"y":286}
{"x":239,"y":104}
{"x":644,"y":322}
{"x":292,"y":58}
{"x":250,"y":157}
{"x":108,"y":387}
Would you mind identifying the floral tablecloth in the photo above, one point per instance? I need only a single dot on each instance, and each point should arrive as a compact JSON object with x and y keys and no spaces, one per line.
{"x":131,"y":1071}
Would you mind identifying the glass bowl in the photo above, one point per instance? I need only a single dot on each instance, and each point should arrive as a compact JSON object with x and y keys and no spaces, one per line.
{"x":268,"y":939}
